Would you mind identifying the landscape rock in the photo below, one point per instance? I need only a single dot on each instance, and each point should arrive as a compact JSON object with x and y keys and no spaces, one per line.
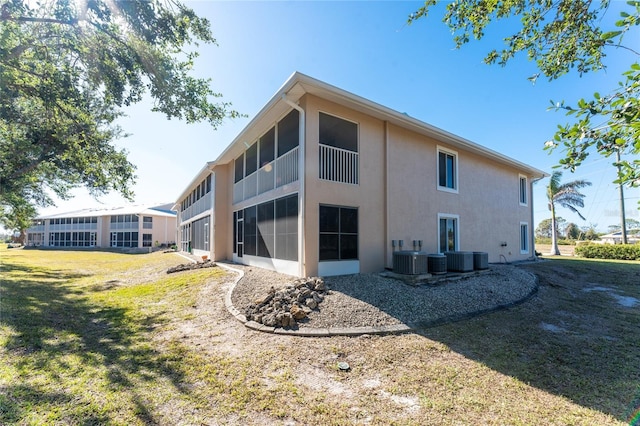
{"x":191,"y":266}
{"x":286,"y":306}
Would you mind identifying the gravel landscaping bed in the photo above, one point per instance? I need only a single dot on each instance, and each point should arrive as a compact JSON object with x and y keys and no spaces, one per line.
{"x":373,"y":300}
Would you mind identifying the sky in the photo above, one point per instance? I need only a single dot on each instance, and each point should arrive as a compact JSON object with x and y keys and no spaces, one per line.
{"x":368,"y":49}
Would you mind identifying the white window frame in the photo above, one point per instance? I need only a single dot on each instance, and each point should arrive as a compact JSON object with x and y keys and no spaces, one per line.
{"x":524,"y":195}
{"x":456,"y":182}
{"x":457,"y":236}
{"x":526,"y":241}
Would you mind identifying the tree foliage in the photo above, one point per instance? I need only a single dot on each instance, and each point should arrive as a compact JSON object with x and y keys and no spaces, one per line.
{"x":16,"y":215}
{"x":67,"y":70}
{"x":564,"y":195}
{"x":572,"y":231}
{"x":543,"y":230}
{"x":560,"y":36}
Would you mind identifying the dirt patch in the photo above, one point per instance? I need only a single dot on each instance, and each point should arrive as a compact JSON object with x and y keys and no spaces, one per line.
{"x":565,"y":250}
{"x":558,"y":343}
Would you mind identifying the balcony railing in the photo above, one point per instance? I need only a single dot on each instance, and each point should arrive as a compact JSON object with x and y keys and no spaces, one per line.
{"x":277,"y":173}
{"x":338,"y":165}
{"x":202,"y":205}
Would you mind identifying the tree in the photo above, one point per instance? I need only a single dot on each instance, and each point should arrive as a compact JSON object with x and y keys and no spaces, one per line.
{"x":572,"y":231}
{"x":18,"y":218}
{"x":544,"y":227}
{"x":633,"y":224}
{"x":561,"y":36}
{"x":67,"y":70}
{"x":563,"y":195}
{"x":590,"y":232}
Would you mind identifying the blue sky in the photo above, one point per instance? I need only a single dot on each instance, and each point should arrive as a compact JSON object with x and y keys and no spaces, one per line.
{"x":368,"y":49}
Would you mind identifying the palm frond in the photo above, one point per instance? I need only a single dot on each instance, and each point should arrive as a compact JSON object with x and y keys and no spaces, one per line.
{"x":573,"y":209}
{"x":566,"y":194}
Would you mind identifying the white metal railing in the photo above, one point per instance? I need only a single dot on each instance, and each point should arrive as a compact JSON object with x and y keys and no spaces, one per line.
{"x":279,"y":172}
{"x":338,"y":165}
{"x":251,"y":185}
{"x":266,"y":177}
{"x":287,"y":168}
{"x":238,"y":191}
{"x":202,"y":205}
{"x":123,"y":226}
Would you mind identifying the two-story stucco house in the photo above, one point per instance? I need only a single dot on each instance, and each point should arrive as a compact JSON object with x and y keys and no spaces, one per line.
{"x":324,"y":182}
{"x":119,"y":227}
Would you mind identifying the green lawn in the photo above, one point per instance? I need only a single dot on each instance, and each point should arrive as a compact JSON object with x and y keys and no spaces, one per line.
{"x":99,"y":338}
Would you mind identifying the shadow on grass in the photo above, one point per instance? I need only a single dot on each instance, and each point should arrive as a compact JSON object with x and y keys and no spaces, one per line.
{"x":567,"y":340}
{"x":54,"y":332}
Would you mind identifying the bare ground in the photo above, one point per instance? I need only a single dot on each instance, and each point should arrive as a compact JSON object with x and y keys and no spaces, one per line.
{"x":556,"y":347}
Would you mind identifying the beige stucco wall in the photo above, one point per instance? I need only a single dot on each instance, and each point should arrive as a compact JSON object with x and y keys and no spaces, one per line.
{"x":487,"y":201}
{"x":163,"y":230}
{"x":367,"y":196}
{"x":222,"y":214}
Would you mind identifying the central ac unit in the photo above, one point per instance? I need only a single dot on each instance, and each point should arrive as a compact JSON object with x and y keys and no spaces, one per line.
{"x":410,"y":262}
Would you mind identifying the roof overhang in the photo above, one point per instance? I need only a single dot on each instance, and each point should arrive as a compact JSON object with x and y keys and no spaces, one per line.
{"x":110,"y":211}
{"x":204,"y":171}
{"x":300,"y":84}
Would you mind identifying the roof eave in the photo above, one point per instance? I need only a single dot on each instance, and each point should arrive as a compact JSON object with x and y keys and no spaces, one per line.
{"x":299,"y":84}
{"x":208,"y":167}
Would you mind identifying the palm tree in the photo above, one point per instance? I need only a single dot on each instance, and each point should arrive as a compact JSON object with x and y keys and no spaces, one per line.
{"x":564,"y":195}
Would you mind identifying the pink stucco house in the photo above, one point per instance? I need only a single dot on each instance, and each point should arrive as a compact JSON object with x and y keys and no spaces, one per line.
{"x":324,"y":182}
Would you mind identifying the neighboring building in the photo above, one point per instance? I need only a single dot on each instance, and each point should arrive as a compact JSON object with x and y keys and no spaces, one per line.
{"x":324,"y":182}
{"x":616,"y":238}
{"x":121,"y":227}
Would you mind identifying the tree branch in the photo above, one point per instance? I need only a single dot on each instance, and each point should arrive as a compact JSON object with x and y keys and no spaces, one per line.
{"x":6,"y":17}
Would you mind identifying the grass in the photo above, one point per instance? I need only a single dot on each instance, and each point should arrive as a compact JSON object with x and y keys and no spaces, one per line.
{"x":106,"y":338}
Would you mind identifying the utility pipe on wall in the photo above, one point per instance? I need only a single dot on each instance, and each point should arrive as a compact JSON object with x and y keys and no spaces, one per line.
{"x":532,"y":227}
{"x":301,"y":180}
{"x":386,"y":196}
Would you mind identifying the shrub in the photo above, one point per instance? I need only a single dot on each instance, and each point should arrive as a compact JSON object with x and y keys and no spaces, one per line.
{"x":609,"y":251}
{"x":561,"y":241}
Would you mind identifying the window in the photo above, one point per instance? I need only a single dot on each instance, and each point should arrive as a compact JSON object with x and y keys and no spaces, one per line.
{"x":524,"y":238}
{"x":268,"y":230}
{"x":267,"y":147}
{"x":338,"y":150}
{"x":523,"y":190}
{"x":288,"y":132}
{"x":234,"y":225}
{"x":239,"y":169}
{"x":200,"y":234}
{"x":448,"y":233}
{"x":250,"y":230}
{"x":251,"y":159}
{"x":287,"y":228}
{"x":147,"y":240}
{"x":447,"y":170}
{"x":338,"y":233}
{"x":338,"y":133}
{"x":147,"y":222}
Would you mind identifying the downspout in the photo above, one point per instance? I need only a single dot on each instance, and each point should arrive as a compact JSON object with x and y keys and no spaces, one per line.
{"x":532,"y":228}
{"x":301,"y":180}
{"x":212,"y":217}
{"x":386,"y":193}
